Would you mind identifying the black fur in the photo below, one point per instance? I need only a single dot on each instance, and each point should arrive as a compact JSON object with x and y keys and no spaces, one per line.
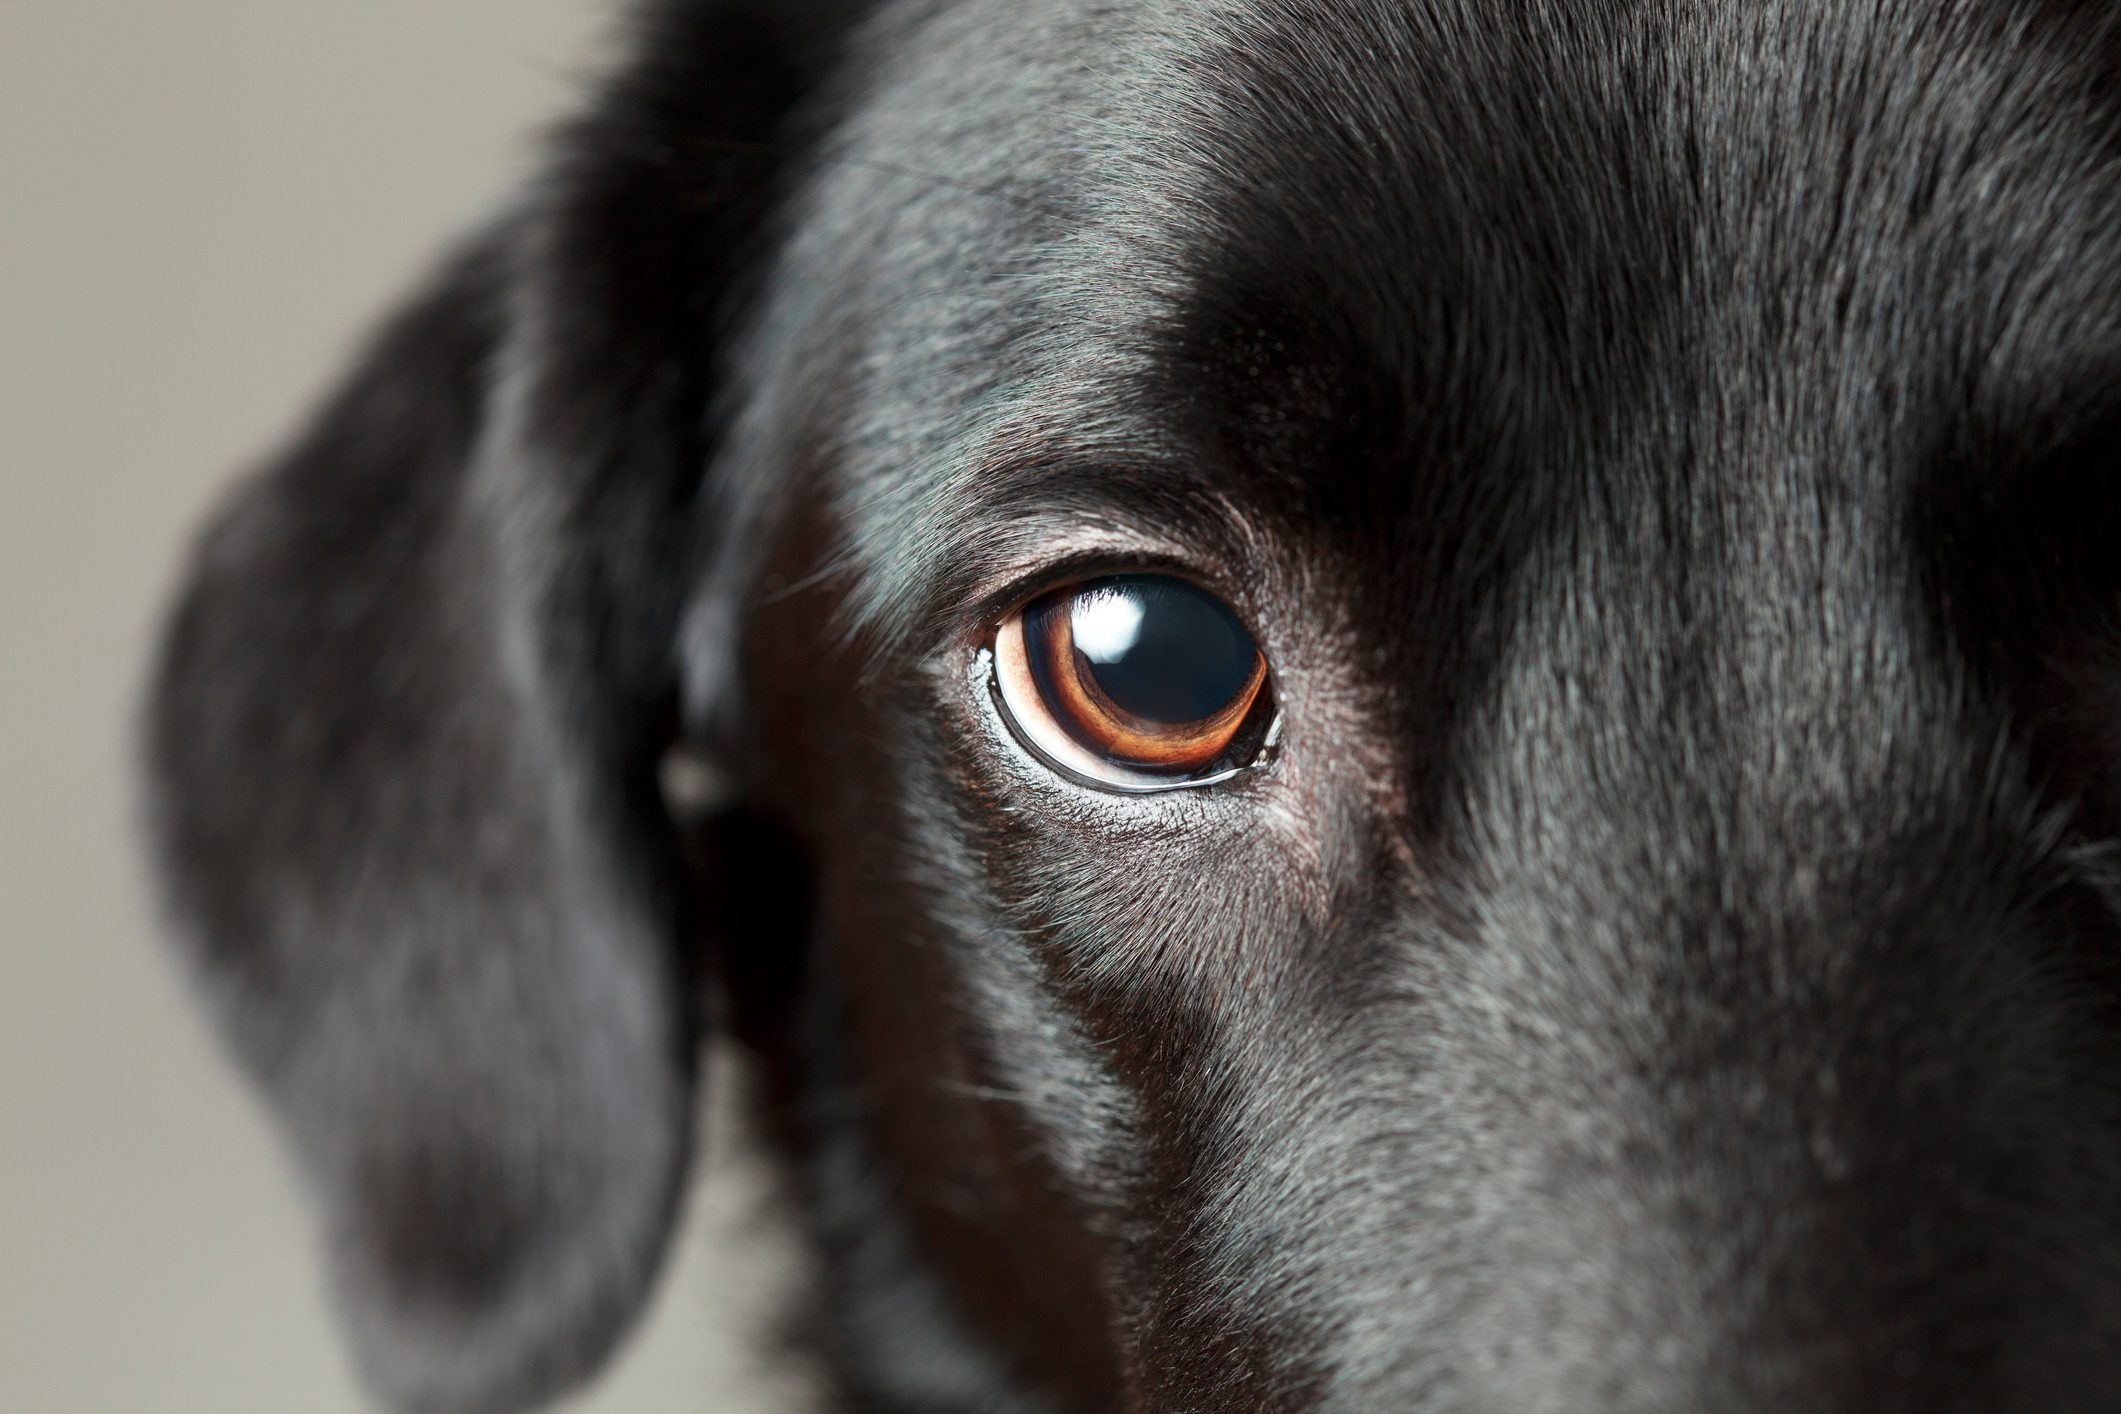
{"x":1668,"y":452}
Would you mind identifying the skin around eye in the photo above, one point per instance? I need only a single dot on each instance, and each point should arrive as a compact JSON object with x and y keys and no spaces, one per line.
{"x":1133,"y":682}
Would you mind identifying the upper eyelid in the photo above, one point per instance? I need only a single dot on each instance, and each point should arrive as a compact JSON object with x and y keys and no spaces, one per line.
{"x":1027,"y":520}
{"x":1072,"y":553}
{"x":1033,"y":503}
{"x":1008,"y":589}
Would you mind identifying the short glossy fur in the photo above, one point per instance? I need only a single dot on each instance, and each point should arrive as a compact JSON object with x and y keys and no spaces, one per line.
{"x":1668,"y":453}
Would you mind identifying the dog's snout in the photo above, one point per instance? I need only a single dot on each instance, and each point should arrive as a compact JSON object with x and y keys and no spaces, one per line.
{"x":1818,"y":1200}
{"x":1754,"y":1286}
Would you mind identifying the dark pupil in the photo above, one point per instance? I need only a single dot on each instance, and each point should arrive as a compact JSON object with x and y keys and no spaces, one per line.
{"x":1159,"y":648}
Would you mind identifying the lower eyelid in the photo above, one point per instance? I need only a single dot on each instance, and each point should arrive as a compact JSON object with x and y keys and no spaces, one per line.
{"x":1170,"y":810}
{"x":1003,"y":670}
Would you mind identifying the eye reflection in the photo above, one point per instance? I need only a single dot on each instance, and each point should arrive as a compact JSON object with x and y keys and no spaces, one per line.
{"x":1134,"y":682}
{"x":1107,"y":623}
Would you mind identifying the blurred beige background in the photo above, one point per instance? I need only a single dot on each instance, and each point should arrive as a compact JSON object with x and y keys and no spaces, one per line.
{"x":202,"y":202}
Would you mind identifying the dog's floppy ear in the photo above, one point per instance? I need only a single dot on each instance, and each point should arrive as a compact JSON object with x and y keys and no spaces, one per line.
{"x":403,"y":737}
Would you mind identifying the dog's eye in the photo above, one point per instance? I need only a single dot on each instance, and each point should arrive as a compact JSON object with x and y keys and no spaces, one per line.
{"x":1134,"y":683}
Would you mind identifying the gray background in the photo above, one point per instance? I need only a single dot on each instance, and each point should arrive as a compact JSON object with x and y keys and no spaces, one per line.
{"x":202,"y":202}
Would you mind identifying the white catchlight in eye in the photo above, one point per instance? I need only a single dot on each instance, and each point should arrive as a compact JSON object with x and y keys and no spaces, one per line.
{"x":1107,"y":624}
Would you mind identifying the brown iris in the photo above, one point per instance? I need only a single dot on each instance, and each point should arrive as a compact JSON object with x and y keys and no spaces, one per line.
{"x":1135,"y":681}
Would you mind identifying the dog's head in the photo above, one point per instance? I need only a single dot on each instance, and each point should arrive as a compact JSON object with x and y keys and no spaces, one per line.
{"x":1410,"y":706}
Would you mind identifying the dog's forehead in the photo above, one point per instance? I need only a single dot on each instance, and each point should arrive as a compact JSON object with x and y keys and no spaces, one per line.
{"x":1385,"y":268}
{"x":1388,"y":242}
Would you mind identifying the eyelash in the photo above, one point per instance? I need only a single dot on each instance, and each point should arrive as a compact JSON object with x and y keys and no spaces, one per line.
{"x":988,"y":605}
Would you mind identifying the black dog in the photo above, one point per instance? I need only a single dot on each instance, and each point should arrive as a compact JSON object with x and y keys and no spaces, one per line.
{"x":1414,"y":705}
